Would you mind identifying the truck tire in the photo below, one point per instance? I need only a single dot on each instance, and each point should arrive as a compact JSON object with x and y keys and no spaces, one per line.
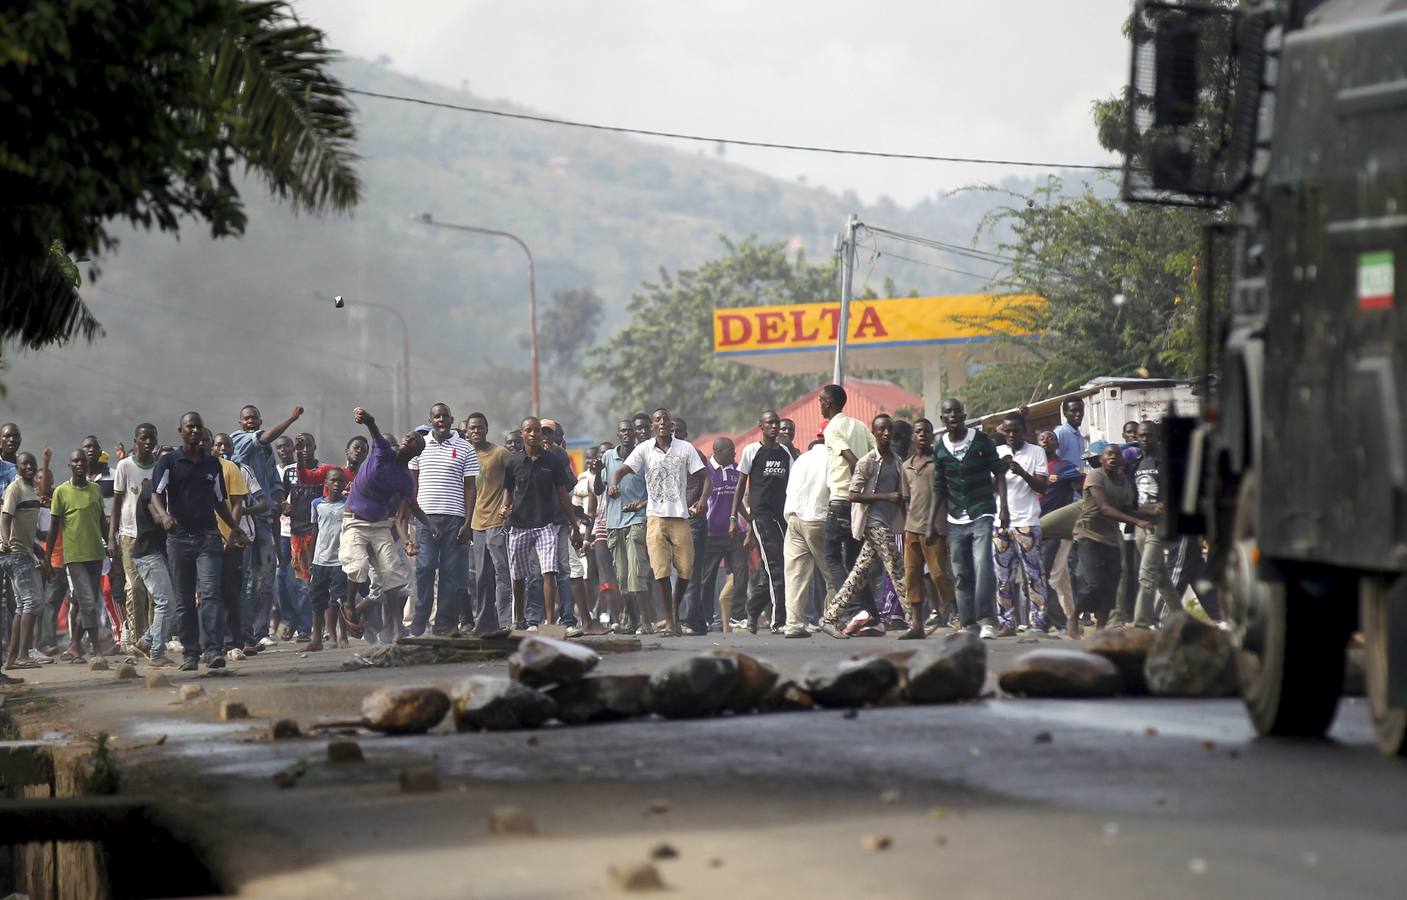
{"x":1290,"y":636}
{"x":1389,"y":725}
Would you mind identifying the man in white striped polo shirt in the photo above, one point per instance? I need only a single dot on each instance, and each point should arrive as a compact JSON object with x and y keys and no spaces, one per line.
{"x":445,"y":485}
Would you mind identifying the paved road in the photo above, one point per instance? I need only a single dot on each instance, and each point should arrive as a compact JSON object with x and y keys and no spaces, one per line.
{"x":1142,"y":797}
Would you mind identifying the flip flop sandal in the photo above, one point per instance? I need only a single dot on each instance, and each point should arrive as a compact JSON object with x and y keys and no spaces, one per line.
{"x":23,"y":664}
{"x":354,"y":627}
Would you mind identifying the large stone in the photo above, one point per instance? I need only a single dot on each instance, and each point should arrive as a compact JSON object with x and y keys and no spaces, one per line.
{"x":1190,"y":658}
{"x":600,"y":698}
{"x":633,"y":878}
{"x":900,"y":658}
{"x":482,"y":702}
{"x":693,"y":687}
{"x":787,"y":696}
{"x":284,"y":729}
{"x":1127,"y":649}
{"x":1062,"y":673}
{"x":755,"y":678}
{"x":851,"y":682}
{"x":405,"y":710}
{"x":541,"y":661}
{"x":947,"y":670}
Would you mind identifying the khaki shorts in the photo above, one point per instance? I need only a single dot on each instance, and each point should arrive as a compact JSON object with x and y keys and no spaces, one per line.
{"x":669,"y":541}
{"x":629,"y":558}
{"x":371,"y":545}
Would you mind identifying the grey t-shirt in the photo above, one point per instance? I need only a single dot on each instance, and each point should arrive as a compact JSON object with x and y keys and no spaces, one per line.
{"x":886,"y":482}
{"x":328,"y":516}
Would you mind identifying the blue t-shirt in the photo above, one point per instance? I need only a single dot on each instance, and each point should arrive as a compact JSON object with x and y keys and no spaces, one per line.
{"x":8,"y":473}
{"x":260,"y":459}
{"x":632,"y":490}
{"x":1071,"y":444}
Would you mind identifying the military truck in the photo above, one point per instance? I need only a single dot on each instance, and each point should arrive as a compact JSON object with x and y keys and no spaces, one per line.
{"x":1287,"y":121}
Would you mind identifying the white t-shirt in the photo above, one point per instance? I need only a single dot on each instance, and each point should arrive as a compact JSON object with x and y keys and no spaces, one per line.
{"x":285,"y":526}
{"x":1023,"y":502}
{"x":127,"y":480}
{"x":959,"y":450}
{"x":808,"y":491}
{"x":666,"y":476}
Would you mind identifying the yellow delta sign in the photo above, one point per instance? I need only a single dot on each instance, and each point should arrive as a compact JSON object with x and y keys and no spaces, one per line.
{"x":902,"y":322}
{"x":945,"y":337}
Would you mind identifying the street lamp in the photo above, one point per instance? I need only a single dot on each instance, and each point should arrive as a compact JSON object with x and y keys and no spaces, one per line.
{"x":428,"y":219}
{"x":340,"y":302}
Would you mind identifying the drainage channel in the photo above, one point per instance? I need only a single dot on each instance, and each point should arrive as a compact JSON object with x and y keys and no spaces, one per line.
{"x":57,"y":841}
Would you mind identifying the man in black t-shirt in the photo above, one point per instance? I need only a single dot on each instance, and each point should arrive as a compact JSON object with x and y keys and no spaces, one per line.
{"x":764,"y":469}
{"x":536,"y":482}
{"x":188,"y":496}
{"x":1153,"y":578}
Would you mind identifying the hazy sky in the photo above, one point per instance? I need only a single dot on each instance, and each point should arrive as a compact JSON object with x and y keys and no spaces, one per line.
{"x":1002,"y":78}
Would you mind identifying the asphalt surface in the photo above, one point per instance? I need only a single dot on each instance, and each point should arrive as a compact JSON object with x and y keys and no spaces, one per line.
{"x":1003,"y":797}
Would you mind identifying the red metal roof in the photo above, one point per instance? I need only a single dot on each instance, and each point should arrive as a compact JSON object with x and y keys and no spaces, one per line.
{"x":865,"y":399}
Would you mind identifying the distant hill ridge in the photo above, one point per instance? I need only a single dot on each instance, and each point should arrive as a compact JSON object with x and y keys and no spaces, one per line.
{"x":599,"y":210}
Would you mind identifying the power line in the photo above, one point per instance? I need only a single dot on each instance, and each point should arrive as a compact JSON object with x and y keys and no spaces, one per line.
{"x":934,"y":243}
{"x":919,"y":262}
{"x":549,"y":120}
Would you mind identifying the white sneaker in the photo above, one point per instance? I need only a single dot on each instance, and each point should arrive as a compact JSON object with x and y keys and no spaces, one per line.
{"x":988,"y":633}
{"x":174,"y":645}
{"x":267,"y":642}
{"x":40,"y":656}
{"x":532,"y":628}
{"x":235,"y":654}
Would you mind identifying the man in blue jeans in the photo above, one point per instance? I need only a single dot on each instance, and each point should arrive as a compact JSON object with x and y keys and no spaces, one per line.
{"x":492,"y":592}
{"x":971,"y":477}
{"x":253,"y":447}
{"x":446,"y":474}
{"x":188,"y":493}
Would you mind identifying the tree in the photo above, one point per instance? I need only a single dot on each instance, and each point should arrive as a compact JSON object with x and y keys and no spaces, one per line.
{"x":140,"y":110}
{"x":665,"y":354}
{"x":1117,"y":279}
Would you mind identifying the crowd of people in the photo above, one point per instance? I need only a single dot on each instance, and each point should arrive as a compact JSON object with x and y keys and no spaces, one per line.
{"x":225,"y":544}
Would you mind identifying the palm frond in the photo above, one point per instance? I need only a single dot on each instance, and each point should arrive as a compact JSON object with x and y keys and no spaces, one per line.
{"x":39,"y":301}
{"x":289,"y":119}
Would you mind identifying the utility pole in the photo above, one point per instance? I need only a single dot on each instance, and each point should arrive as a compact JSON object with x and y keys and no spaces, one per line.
{"x":846,"y":249}
{"x":340,"y":303}
{"x":428,"y":219}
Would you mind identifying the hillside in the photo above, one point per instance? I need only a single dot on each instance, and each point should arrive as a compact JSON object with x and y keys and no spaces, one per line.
{"x":196,"y":323}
